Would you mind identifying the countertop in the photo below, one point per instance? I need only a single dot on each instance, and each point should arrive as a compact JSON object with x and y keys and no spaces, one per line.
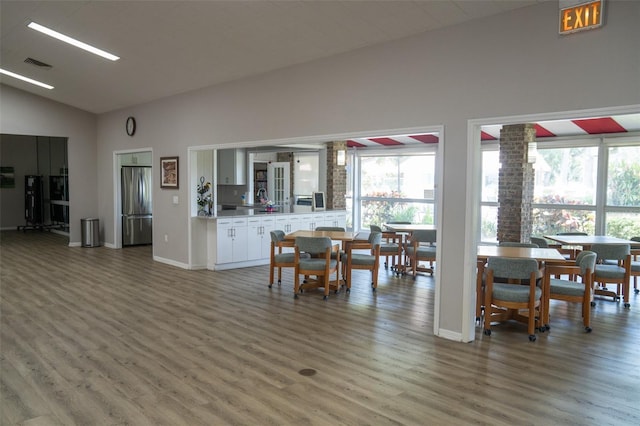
{"x":259,"y":210}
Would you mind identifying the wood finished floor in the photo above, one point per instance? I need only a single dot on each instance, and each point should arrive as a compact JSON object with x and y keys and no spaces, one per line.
{"x":96,"y":336}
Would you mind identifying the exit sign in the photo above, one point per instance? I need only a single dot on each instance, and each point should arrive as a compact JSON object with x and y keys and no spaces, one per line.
{"x":584,"y":16}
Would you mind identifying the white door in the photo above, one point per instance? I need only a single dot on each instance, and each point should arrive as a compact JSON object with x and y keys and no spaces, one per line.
{"x":279,"y":183}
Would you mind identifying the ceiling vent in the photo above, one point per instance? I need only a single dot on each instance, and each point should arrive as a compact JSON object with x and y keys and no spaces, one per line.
{"x":38,"y":63}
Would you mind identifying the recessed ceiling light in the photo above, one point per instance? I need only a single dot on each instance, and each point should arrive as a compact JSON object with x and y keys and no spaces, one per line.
{"x":72,"y":41}
{"x":27,"y":79}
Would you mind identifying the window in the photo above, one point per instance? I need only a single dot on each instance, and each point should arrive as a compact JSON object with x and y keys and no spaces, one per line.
{"x":590,"y":185}
{"x":397,"y":188}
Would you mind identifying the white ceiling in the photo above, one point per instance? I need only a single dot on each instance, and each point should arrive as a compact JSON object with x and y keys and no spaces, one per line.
{"x":170,"y":47}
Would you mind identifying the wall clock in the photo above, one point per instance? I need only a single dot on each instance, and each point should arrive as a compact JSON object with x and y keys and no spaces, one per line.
{"x":131,"y":126}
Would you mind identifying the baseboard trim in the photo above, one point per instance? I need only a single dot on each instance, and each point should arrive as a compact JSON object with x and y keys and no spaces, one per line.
{"x":171,"y":262}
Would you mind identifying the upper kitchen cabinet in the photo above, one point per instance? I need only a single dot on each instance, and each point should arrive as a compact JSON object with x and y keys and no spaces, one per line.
{"x":232,"y":167}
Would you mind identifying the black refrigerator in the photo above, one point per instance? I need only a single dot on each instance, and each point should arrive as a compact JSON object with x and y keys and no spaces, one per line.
{"x":136,"y":205}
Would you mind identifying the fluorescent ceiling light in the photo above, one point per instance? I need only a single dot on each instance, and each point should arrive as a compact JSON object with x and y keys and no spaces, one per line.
{"x":72,"y":41}
{"x":27,"y":79}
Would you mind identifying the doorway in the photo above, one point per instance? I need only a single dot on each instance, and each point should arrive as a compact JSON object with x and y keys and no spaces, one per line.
{"x":279,"y":183}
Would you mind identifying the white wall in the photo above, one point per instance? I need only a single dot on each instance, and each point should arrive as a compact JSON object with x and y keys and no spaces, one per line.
{"x":26,"y":114}
{"x":511,"y":64}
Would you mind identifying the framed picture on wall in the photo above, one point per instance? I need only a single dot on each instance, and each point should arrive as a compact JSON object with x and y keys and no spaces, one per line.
{"x":169,"y":172}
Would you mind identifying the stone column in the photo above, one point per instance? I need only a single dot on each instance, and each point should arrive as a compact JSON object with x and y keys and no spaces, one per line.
{"x":336,"y":177}
{"x":515,"y":183}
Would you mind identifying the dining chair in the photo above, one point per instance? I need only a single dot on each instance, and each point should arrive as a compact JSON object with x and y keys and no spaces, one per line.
{"x":364,"y":261}
{"x":318,"y":266}
{"x":635,"y":263}
{"x":420,"y":247}
{"x":613,"y":266}
{"x":278,"y":258}
{"x":540,"y":242}
{"x":340,"y":252}
{"x":391,"y":247}
{"x":578,"y":289}
{"x":504,"y":301}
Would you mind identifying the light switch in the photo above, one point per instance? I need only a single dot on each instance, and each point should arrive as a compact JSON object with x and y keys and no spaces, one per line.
{"x":175,"y":199}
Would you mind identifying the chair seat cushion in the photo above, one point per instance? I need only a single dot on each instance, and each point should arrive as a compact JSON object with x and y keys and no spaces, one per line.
{"x":389,"y":248}
{"x":609,"y":271}
{"x":285,"y":257}
{"x":362,"y":259}
{"x":316,"y":264}
{"x":422,"y":251}
{"x":514,"y":292}
{"x":289,"y":257}
{"x":635,"y":266}
{"x":567,"y":288}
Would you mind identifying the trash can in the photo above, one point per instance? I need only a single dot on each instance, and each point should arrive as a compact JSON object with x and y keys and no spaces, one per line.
{"x":90,"y":232}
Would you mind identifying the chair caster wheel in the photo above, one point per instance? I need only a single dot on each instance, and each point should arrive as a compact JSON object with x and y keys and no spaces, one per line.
{"x":636,"y":291}
{"x":542,"y":329}
{"x":487,"y":332}
{"x":627,"y":305}
{"x":373,"y":289}
{"x":270,"y":285}
{"x":593,"y":304}
{"x":295,"y":296}
{"x":587,"y":329}
{"x":325,"y":297}
{"x":532,"y":337}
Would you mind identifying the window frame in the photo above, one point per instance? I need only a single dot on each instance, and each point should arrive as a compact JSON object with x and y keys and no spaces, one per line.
{"x":600,"y":208}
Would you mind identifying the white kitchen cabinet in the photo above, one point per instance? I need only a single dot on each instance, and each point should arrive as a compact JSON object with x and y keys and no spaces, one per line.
{"x":335,"y":219}
{"x":231,"y":167}
{"x":231,"y":245}
{"x":259,"y":237}
{"x":307,"y":221}
{"x":288,"y":223}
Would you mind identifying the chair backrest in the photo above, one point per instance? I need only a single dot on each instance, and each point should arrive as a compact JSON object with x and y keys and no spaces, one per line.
{"x":375,"y":228}
{"x":375,"y":238}
{"x":277,"y":236}
{"x":509,"y":267}
{"x":330,"y":228}
{"x":611,"y":251}
{"x":424,"y":236}
{"x":572,"y":233}
{"x":540,"y":242}
{"x":635,"y":239}
{"x":515,"y":244}
{"x":586,"y":260}
{"x":313,"y":245}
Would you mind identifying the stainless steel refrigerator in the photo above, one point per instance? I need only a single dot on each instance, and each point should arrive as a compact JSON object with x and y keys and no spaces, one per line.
{"x":136,"y":205}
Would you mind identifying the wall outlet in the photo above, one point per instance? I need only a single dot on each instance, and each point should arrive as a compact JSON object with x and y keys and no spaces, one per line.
{"x":166,"y":238}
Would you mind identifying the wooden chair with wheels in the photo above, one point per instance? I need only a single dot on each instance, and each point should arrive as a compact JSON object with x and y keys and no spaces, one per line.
{"x":613,"y":266}
{"x":505,"y":301}
{"x":364,"y":261}
{"x":578,"y":289}
{"x":278,"y":258}
{"x":390,"y":248}
{"x":318,"y":266}
{"x":635,"y":263}
{"x":420,"y":248}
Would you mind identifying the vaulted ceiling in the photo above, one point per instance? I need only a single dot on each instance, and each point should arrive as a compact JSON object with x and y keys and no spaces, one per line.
{"x":170,"y":47}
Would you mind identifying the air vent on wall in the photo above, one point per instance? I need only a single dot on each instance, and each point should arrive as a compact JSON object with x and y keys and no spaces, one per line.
{"x":38,"y":63}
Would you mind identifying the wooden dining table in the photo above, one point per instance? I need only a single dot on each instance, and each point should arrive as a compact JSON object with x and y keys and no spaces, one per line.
{"x":586,"y":241}
{"x":539,"y":254}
